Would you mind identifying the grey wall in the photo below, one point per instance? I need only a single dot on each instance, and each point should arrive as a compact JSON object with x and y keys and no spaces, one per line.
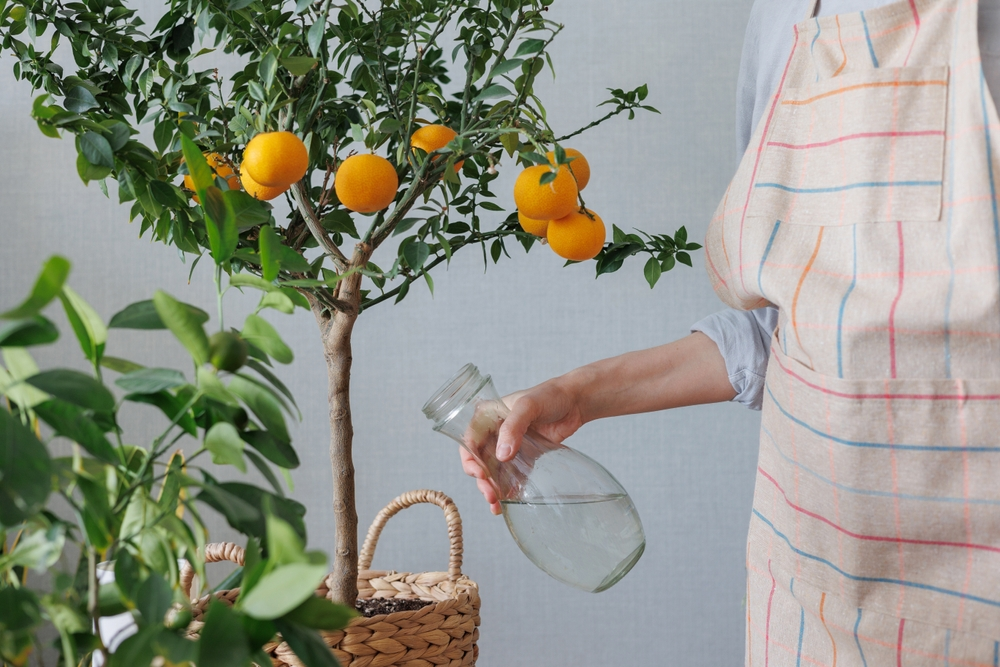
{"x":689,"y":471}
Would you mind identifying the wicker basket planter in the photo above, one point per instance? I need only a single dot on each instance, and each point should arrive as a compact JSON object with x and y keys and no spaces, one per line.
{"x":442,"y":633}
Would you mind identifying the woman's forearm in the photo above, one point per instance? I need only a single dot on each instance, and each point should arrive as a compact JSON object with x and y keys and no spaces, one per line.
{"x":689,"y":371}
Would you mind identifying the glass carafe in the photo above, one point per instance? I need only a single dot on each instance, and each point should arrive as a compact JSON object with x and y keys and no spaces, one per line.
{"x":567,"y":513}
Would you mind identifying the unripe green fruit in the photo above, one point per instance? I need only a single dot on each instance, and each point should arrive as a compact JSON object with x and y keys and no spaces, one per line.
{"x":227,"y":351}
{"x":177,"y":617}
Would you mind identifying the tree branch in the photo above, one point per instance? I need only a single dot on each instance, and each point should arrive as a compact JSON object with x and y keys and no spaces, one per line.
{"x":301,"y":198}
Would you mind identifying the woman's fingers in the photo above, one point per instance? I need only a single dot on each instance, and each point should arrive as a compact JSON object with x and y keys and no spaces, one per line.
{"x":524,"y":411}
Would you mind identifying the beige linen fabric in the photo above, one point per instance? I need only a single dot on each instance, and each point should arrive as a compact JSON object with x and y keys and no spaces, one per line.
{"x":865,"y":209}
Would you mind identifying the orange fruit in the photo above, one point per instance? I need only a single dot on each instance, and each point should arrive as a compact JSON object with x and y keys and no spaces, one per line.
{"x":545,"y":202}
{"x":580,"y":167}
{"x":258,"y":191}
{"x":576,"y":236}
{"x":220,"y":168}
{"x":275,"y":159}
{"x":366,"y":183}
{"x":532,"y":226}
{"x":430,"y":138}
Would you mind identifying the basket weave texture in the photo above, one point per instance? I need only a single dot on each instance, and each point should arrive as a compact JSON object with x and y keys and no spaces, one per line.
{"x":441,"y":634}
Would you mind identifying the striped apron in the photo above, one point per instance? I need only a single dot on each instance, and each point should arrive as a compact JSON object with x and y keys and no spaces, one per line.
{"x":866,"y":210}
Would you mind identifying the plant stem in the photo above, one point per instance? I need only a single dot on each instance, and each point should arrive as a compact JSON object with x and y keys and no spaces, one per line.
{"x":218,"y":295}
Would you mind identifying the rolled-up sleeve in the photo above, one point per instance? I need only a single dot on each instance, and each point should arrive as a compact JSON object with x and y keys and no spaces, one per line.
{"x":744,"y":338}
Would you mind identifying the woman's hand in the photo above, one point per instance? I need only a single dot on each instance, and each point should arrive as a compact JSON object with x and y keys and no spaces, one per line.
{"x":549,"y":409}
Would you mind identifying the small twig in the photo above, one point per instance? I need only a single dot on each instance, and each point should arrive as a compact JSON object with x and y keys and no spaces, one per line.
{"x":301,"y":198}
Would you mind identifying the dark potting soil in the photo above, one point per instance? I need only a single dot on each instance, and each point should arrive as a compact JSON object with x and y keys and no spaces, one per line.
{"x":376,"y":606}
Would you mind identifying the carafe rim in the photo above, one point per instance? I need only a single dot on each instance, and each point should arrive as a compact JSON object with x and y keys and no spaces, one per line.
{"x":448,"y":401}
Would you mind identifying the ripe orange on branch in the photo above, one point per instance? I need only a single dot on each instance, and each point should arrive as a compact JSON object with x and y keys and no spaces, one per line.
{"x":258,"y":191}
{"x":532,"y":226}
{"x":366,"y":183}
{"x":430,"y":138}
{"x":579,"y":166}
{"x":549,"y":201}
{"x":275,"y":159}
{"x":576,"y":236}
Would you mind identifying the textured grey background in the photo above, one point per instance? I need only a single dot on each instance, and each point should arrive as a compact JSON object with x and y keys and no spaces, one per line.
{"x":689,"y":471}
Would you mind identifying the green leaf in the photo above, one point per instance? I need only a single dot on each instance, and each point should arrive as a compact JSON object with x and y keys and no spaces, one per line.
{"x":307,"y":645}
{"x":298,"y":65}
{"x":529,"y":46}
{"x":269,"y":253}
{"x":321,"y":614}
{"x":27,"y":332}
{"x":151,"y":380}
{"x":340,"y":221}
{"x":274,"y":450}
{"x":97,"y":150}
{"x":510,"y":142}
{"x":143,"y":315}
{"x":47,"y":286}
{"x":80,"y":100}
{"x":170,"y":405}
{"x":197,"y":165}
{"x":220,"y":223}
{"x":284,"y":546}
{"x":416,"y":254}
{"x":496,"y":90}
{"x":21,"y":366}
{"x":507,"y":65}
{"x":223,"y":441}
{"x":278,"y":301}
{"x":315,"y":35}
{"x":248,"y":212}
{"x":652,"y":271}
{"x":268,"y":66}
{"x":119,"y":365}
{"x":282,"y":589}
{"x":25,"y":471}
{"x":87,"y":324}
{"x":223,"y":641}
{"x":236,"y":5}
{"x":210,"y":385}
{"x":153,"y":599}
{"x":38,"y":550}
{"x":250,"y":280}
{"x":238,"y":502}
{"x":258,"y":331}
{"x":71,"y":422}
{"x":164,"y":194}
{"x":163,"y":135}
{"x":263,"y":405}
{"x":76,"y":388}
{"x":183,"y":324}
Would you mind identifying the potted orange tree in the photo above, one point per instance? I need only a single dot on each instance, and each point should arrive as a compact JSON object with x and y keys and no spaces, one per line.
{"x":348,"y":112}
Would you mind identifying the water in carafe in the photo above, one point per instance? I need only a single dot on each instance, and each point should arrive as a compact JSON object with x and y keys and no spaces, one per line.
{"x":567,"y":513}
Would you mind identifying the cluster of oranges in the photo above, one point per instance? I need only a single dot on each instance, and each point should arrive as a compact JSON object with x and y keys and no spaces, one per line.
{"x":366,"y":183}
{"x":552,"y":211}
{"x":272,"y":161}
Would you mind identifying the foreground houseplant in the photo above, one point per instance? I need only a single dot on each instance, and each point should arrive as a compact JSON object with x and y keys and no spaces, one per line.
{"x":136,"y":510}
{"x":345,"y":78}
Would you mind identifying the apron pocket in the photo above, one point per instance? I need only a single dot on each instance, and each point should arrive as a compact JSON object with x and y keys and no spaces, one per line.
{"x":863,"y":147}
{"x":884,"y":491}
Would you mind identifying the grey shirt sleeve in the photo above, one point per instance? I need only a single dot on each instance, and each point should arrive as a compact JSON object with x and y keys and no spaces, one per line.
{"x":744,"y":339}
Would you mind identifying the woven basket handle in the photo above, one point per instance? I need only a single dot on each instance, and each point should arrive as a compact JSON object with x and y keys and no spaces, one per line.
{"x":214,"y":553}
{"x":408,"y":499}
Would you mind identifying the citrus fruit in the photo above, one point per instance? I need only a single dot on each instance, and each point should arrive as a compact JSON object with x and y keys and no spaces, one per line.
{"x":576,"y":236}
{"x":532,"y":226}
{"x":227,"y":351}
{"x":366,"y":183}
{"x":430,"y":138}
{"x":275,"y":159}
{"x":258,"y":191}
{"x":580,"y":167}
{"x":220,"y":168}
{"x":545,"y":202}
